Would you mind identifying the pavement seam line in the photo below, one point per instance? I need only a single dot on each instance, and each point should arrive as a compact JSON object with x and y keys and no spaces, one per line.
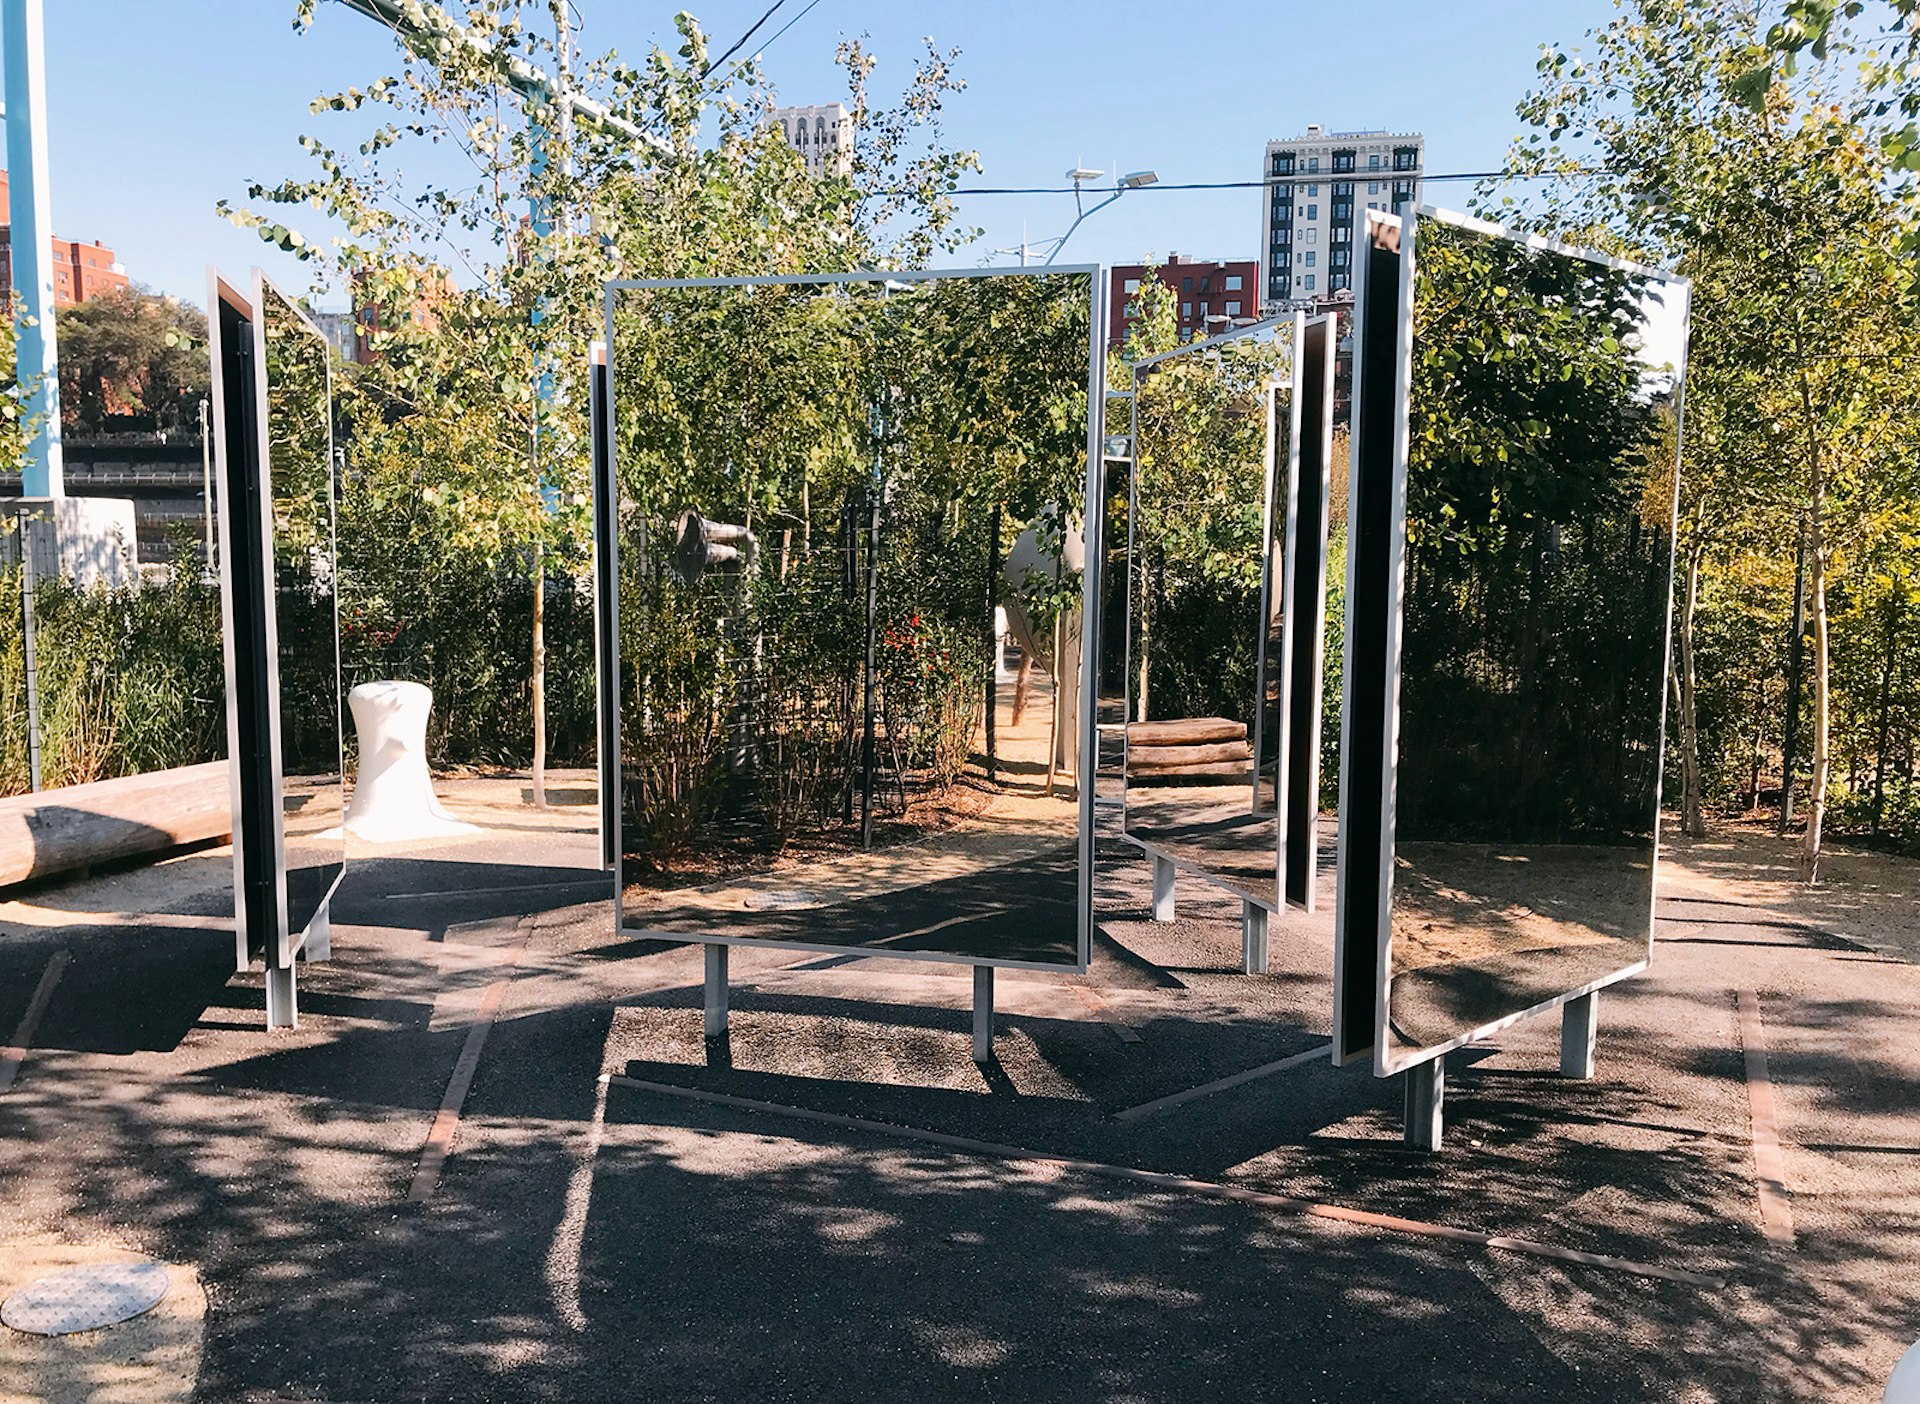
{"x":1105,"y":1012}
{"x":446,"y":1121}
{"x":1210,"y":1189}
{"x":1221,"y":1084}
{"x":1769,"y":1161}
{"x":15,"y":1053}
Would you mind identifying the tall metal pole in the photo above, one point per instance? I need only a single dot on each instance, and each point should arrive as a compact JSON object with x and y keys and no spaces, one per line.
{"x":23,"y":34}
{"x":30,"y":648}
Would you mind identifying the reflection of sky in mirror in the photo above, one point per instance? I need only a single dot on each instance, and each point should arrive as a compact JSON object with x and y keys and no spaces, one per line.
{"x":1662,"y":343}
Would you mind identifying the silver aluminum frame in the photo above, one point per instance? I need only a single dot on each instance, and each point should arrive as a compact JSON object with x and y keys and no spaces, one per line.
{"x":1385,"y":1065}
{"x":1296,"y":321}
{"x":286,"y":946}
{"x":1093,"y":527}
{"x":1292,"y":616}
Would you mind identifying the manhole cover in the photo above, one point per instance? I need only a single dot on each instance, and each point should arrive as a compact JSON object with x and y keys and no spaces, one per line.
{"x":785,"y":899}
{"x":85,"y":1298}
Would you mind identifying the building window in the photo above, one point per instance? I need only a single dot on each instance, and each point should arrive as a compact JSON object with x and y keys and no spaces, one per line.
{"x":1132,"y":285}
{"x":1186,"y":311}
{"x":1307,"y":282}
{"x":1233,"y":309}
{"x":1186,"y":283}
{"x":1206,"y":283}
{"x":1313,"y":236}
{"x":1373,"y":187}
{"x":1283,"y":163}
{"x":1403,"y":158}
{"x":1313,"y":190}
{"x":1310,"y":257}
{"x":1233,"y":282}
{"x":1337,"y":281}
{"x":1313,"y":164}
{"x":1343,"y":160}
{"x":1313,"y":212}
{"x":1373,"y":161}
{"x":1343,"y":190}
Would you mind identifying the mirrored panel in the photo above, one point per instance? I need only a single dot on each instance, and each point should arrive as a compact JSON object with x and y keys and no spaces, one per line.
{"x":852,"y":583}
{"x":297,"y":431}
{"x":1542,"y":407}
{"x":1212,"y":439}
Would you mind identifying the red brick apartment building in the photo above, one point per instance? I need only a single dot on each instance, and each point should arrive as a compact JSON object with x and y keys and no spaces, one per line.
{"x":1210,"y":295}
{"x":80,"y":271}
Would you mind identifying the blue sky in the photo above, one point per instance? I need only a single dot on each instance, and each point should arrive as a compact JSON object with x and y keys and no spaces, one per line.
{"x":157,"y":110}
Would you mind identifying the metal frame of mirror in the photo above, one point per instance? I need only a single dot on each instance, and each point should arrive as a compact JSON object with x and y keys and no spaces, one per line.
{"x":1517,"y":420}
{"x":821,"y":493}
{"x":275,"y":507}
{"x":1226,"y":480}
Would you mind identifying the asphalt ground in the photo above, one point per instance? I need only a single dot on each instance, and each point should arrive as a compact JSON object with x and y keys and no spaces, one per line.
{"x":836,"y":1203}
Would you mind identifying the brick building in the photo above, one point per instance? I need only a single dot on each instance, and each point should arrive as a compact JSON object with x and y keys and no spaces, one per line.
{"x":80,"y":271}
{"x":1211,"y":295}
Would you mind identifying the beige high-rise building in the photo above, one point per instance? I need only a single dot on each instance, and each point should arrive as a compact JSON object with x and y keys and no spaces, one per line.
{"x":823,"y":135}
{"x":1319,"y":186}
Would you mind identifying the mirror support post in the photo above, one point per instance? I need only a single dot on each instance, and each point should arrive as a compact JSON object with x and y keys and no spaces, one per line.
{"x":1162,"y":889}
{"x":716,"y":1026}
{"x":319,"y":942}
{"x":1253,"y":938}
{"x":983,"y":1014}
{"x":281,"y":1010}
{"x":1579,"y":1021}
{"x":1426,"y":1085}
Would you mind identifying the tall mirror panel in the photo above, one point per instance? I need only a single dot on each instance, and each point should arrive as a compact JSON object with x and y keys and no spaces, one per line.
{"x":852,"y":583}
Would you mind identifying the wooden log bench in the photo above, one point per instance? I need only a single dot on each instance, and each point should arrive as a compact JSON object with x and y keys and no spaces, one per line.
{"x":79,"y":826}
{"x":1189,"y":750}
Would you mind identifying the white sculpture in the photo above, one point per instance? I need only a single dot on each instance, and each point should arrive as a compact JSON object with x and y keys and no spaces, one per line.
{"x":393,"y":798}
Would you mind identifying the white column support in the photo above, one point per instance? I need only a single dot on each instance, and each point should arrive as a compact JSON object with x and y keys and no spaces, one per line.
{"x":1162,"y":888}
{"x":1579,"y":1022}
{"x":319,"y":942}
{"x":1253,"y":938}
{"x":30,"y":213}
{"x":1426,"y":1085}
{"x":282,"y":1012}
{"x":983,"y":1014}
{"x":716,"y":1024}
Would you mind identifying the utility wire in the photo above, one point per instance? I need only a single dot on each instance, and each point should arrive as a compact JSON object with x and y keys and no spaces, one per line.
{"x":743,"y":38}
{"x":1318,"y":178}
{"x":788,"y":25}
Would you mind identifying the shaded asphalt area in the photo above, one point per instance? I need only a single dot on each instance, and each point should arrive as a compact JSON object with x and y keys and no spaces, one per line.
{"x":596,"y":1234}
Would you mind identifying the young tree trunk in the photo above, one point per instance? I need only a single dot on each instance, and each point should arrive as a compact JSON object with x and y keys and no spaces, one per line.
{"x":1881,"y":738}
{"x":1691,"y":821}
{"x":1822,"y":662}
{"x":539,"y":676}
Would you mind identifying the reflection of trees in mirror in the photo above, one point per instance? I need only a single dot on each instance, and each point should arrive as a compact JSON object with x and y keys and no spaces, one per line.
{"x":1537,"y":548}
{"x":130,"y":679}
{"x":1196,"y":533}
{"x":778,"y":408}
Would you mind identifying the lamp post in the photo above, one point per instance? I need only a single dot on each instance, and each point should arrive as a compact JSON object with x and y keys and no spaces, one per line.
{"x":1081,"y":176}
{"x":37,"y":369}
{"x":1136,"y":180}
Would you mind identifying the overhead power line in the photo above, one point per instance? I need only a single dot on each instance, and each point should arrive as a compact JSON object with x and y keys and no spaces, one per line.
{"x":743,"y":38}
{"x":1317,"y":178}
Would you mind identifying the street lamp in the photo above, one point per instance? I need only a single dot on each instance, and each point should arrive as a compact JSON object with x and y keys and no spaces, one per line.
{"x":1082,"y":176}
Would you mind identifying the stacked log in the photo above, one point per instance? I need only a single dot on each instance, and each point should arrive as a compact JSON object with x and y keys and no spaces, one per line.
{"x":1190,"y":750}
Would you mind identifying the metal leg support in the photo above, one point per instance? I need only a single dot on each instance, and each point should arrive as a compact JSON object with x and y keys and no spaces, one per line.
{"x":281,"y":1011}
{"x":716,"y":991}
{"x":983,"y":1014}
{"x":319,"y":942}
{"x":1253,"y":938}
{"x":1426,"y":1090}
{"x":1579,"y":1020}
{"x":1162,"y":889}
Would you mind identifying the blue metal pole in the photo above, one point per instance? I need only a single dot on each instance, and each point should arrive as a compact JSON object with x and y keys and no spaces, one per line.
{"x":38,"y":373}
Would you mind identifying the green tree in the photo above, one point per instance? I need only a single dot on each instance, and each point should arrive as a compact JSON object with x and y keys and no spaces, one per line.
{"x":131,"y":352}
{"x":491,"y":387}
{"x":1775,"y":194}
